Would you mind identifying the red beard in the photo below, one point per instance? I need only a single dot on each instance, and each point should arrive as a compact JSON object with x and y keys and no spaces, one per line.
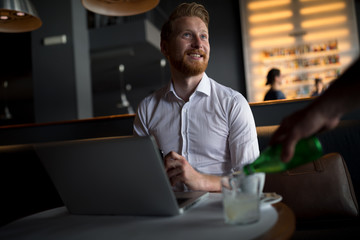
{"x":190,"y":68}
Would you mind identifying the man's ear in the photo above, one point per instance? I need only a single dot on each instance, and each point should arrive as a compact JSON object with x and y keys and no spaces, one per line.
{"x":164,"y":48}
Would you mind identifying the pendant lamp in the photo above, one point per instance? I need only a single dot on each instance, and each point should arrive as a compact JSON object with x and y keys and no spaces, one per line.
{"x":119,"y":7}
{"x":18,"y":16}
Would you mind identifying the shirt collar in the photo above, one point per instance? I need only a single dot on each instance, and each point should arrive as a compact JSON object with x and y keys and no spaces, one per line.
{"x":204,"y":86}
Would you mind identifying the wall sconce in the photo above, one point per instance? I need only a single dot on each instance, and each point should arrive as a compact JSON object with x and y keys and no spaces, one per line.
{"x":6,"y":112}
{"x":119,"y":7}
{"x":18,"y":16}
{"x":124,"y":104}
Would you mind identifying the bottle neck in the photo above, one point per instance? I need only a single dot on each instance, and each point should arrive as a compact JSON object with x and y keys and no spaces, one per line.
{"x":247,"y":169}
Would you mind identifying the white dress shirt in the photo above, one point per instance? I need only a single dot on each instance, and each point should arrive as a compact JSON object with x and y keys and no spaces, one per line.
{"x":215,"y":130}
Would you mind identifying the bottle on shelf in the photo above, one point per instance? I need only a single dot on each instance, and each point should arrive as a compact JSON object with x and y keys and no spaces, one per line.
{"x":269,"y":161}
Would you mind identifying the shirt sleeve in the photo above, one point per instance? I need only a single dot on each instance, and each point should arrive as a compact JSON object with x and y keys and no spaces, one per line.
{"x":140,"y":126}
{"x":243,"y":142}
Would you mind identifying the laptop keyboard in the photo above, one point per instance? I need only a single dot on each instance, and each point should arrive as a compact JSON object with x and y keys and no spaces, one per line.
{"x":181,"y":200}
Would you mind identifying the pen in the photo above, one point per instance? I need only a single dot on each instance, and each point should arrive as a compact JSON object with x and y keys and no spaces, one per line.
{"x":161,"y":153}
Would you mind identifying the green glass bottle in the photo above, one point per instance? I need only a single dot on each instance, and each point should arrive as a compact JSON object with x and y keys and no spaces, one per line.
{"x":269,"y":161}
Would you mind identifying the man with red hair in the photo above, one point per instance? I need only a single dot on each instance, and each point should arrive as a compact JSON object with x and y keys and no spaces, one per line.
{"x":205,"y":129}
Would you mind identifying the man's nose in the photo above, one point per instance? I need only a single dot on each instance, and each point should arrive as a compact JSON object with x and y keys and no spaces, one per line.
{"x":196,"y":43}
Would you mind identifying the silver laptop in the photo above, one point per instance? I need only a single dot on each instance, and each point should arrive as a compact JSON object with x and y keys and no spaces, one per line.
{"x":113,"y":176}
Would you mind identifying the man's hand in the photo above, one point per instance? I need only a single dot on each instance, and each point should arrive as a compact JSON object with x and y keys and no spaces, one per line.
{"x":301,"y":124}
{"x":179,"y":170}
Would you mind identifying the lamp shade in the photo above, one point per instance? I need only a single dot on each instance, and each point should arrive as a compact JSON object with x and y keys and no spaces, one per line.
{"x":18,"y":16}
{"x":119,"y":7}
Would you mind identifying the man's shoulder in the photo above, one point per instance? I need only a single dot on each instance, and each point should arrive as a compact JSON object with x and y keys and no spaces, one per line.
{"x":224,"y":91}
{"x":157,"y":95}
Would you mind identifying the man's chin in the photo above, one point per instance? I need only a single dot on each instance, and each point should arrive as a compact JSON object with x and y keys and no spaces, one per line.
{"x":193,"y":69}
{"x":189,"y":68}
{"x":194,"y":72}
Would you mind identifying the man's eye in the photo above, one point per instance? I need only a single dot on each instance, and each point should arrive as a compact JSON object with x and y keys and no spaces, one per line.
{"x":204,"y":37}
{"x":187,"y":35}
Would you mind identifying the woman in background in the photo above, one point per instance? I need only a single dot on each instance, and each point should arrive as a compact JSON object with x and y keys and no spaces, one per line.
{"x":274,"y":80}
{"x":319,"y":87}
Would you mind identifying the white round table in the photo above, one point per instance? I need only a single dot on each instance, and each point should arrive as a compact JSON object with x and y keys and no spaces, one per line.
{"x":204,"y":221}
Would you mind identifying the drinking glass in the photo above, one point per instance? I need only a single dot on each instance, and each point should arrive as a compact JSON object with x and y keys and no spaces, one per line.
{"x":241,"y":197}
